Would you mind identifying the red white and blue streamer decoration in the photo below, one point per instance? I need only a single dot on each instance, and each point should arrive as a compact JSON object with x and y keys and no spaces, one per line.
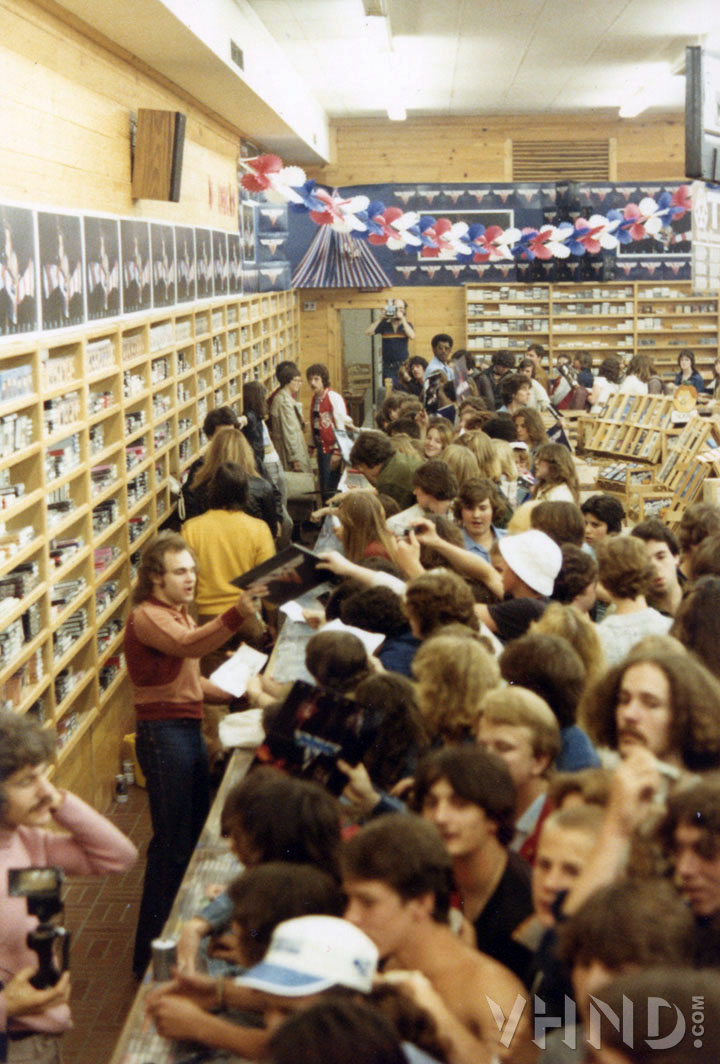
{"x":397,"y":229}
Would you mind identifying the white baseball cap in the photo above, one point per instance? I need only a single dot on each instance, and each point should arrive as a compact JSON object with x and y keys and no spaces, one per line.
{"x":534,"y":557}
{"x":313,"y":953}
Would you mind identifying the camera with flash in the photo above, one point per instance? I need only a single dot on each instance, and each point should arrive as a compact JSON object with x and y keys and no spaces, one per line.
{"x":51,"y":943}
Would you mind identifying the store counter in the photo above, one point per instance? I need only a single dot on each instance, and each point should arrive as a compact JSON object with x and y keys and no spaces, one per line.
{"x":212,"y":862}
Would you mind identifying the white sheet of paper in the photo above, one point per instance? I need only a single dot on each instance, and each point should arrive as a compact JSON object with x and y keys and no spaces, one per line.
{"x":242,"y":729}
{"x":370,"y":640}
{"x":292,"y":610}
{"x":233,"y":675}
{"x":399,"y":523}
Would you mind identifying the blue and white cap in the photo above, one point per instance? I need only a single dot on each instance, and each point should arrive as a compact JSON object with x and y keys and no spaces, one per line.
{"x":310,"y":954}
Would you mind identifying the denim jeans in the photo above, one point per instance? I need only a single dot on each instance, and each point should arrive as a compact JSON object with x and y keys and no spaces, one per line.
{"x":173,"y":758}
{"x":329,"y":478}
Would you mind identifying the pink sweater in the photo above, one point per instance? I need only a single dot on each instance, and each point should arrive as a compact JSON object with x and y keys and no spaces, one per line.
{"x":89,"y":845}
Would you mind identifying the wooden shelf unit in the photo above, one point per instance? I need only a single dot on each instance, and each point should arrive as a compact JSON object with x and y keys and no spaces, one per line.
{"x":621,"y":317}
{"x":506,"y":317}
{"x":94,"y":423}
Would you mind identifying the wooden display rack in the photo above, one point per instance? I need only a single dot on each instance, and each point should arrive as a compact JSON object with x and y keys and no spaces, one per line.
{"x":691,"y":456}
{"x":635,"y":427}
{"x":635,"y":486}
{"x":695,"y":455}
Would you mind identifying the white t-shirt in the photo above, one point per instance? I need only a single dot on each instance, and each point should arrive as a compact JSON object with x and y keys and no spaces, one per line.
{"x":620,"y":632}
{"x":632,"y":385}
{"x":538,"y":396}
{"x":605,"y":389}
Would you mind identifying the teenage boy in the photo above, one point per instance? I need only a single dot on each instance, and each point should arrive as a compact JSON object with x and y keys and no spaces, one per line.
{"x":604,"y":515}
{"x":328,"y":413}
{"x":387,"y":470}
{"x":519,"y":726}
{"x":515,"y":390}
{"x":307,"y":956}
{"x":650,"y":925}
{"x":665,"y":592}
{"x":398,"y":879}
{"x":691,"y":834}
{"x":489,"y":381}
{"x":163,"y":647}
{"x":287,"y":427}
{"x":468,"y":794}
{"x":87,"y":844}
{"x":411,"y":377}
{"x":530,"y":561}
{"x":626,"y":574}
{"x":700,"y":520}
{"x":434,"y":487}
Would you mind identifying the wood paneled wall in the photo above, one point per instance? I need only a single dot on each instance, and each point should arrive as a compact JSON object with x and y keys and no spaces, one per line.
{"x":370,"y":151}
{"x":67,"y":101}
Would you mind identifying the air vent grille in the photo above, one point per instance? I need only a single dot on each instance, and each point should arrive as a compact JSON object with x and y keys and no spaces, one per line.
{"x":554,"y":160}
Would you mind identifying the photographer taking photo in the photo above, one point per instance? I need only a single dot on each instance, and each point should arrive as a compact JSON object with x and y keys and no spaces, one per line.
{"x":33,"y":1020}
{"x":395,"y":330}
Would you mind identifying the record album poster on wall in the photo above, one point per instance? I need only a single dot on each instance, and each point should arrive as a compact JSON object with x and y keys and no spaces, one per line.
{"x":18,"y":289}
{"x":135,"y":243}
{"x":185,"y":263}
{"x":162,"y":245}
{"x":102,"y":270}
{"x":203,"y":263}
{"x":61,"y":270}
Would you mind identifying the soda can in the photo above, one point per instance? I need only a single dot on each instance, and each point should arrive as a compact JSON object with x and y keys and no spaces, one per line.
{"x":164,"y":958}
{"x":121,"y":791}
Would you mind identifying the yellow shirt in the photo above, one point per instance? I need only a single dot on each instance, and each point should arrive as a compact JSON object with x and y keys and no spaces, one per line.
{"x":227,"y":543}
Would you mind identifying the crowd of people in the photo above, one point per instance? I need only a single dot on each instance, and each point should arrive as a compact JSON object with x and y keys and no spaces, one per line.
{"x":526,"y":859}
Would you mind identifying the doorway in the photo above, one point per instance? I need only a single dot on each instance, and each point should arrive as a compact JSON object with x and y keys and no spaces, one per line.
{"x":359,"y":359}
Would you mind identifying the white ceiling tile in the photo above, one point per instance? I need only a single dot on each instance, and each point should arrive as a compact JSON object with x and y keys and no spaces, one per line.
{"x":464,"y":55}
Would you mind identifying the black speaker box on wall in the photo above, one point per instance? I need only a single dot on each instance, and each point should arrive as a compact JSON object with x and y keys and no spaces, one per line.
{"x":157,"y":166}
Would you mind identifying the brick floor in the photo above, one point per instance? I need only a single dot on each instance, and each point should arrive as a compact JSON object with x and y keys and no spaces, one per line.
{"x":101,"y":913}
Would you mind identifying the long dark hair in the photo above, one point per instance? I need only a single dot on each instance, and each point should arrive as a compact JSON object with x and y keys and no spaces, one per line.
{"x":255,"y":399}
{"x":285,"y":819}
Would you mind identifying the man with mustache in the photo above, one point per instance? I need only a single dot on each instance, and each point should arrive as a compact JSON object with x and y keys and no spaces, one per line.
{"x":87,"y":844}
{"x":662,"y":699}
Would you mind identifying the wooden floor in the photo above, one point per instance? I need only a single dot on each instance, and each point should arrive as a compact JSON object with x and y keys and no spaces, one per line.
{"x":101,"y":912}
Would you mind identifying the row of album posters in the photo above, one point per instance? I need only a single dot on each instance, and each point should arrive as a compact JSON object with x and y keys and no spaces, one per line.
{"x":61,"y":269}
